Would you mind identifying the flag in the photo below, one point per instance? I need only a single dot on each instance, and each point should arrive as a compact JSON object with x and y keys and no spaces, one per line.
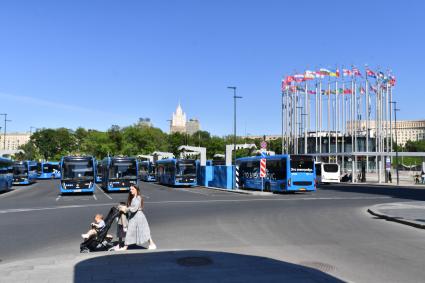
{"x":370,"y":73}
{"x":334,"y":73}
{"x":381,"y":75}
{"x":356,"y":72}
{"x":347,"y":91}
{"x":373,"y":88}
{"x":392,"y":80}
{"x":299,"y":78}
{"x":347,"y":73}
{"x":311,"y":92}
{"x":324,"y":72}
{"x":309,"y":75}
{"x":319,"y":75}
{"x":362,"y":90}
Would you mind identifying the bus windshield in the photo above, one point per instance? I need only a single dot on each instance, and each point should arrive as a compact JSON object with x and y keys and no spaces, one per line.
{"x":123,"y":170}
{"x":186,"y":169}
{"x":47,"y":168}
{"x":330,"y":168}
{"x":20,"y":170}
{"x":81,"y":169}
{"x":301,"y":164}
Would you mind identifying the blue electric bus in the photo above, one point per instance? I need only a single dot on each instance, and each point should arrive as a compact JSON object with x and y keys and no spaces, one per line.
{"x":48,"y":170}
{"x":177,"y":172}
{"x":147,"y":171}
{"x":6,"y":175}
{"x":24,"y":172}
{"x":99,"y":171}
{"x":77,"y":174}
{"x":119,"y":173}
{"x":284,"y":173}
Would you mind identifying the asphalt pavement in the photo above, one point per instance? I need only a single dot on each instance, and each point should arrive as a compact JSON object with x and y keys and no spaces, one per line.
{"x":328,"y":231}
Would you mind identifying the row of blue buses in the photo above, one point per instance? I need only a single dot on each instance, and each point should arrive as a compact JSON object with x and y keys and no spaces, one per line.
{"x":119,"y":173}
{"x":48,"y":170}
{"x":284,"y":173}
{"x":6,"y":175}
{"x":24,"y":172}
{"x":176,"y":172}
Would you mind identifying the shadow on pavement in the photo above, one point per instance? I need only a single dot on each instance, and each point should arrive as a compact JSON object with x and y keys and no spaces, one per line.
{"x":391,"y":191}
{"x":193,"y":266}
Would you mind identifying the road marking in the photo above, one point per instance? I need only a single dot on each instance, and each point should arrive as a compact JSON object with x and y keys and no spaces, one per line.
{"x":108,"y":196}
{"x":178,"y":189}
{"x":186,"y":201}
{"x":59,"y":196}
{"x":94,"y":196}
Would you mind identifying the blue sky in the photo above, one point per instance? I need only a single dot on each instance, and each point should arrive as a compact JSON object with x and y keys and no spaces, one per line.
{"x":97,"y":63}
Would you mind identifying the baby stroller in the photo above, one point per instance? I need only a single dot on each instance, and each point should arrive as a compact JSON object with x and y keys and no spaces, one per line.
{"x":100,"y":242}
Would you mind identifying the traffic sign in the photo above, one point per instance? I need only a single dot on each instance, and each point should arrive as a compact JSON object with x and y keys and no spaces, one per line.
{"x":263,"y":144}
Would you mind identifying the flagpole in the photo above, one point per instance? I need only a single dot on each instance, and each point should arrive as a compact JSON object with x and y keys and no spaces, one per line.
{"x":367,"y":124}
{"x":283,"y":118}
{"x":320,"y":117}
{"x":316,"y":107}
{"x":336,"y":121}
{"x":343,"y":128}
{"x":329,"y":117}
{"x":306,"y":110}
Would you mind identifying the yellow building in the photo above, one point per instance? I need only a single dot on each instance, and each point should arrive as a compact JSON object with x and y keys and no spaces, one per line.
{"x":14,"y":140}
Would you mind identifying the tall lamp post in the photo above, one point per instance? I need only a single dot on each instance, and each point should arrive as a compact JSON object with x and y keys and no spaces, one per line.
{"x":396,"y":141}
{"x":5,"y":125}
{"x":235,"y":97}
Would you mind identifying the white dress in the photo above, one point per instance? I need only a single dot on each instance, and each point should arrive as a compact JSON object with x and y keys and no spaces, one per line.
{"x":138,"y":231}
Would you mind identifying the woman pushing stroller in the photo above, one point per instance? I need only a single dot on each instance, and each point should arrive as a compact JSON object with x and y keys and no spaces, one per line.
{"x":138,"y":232}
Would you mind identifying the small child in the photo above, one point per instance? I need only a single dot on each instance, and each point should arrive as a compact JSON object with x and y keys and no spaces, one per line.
{"x":96,"y":227}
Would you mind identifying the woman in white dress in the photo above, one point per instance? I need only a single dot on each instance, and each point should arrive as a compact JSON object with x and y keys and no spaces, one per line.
{"x":138,"y":232}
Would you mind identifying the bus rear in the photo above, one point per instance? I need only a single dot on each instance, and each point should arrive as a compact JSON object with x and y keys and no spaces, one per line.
{"x":48,"y":170}
{"x":77,"y":174}
{"x":302,"y":176}
{"x":122,"y":173}
{"x":330,"y":173}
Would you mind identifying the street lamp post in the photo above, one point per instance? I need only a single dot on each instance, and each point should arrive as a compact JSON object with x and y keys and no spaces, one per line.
{"x":235,"y":97}
{"x":5,"y":125}
{"x":396,"y":141}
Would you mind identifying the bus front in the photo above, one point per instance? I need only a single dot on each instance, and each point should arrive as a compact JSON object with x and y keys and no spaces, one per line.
{"x":122,"y":174}
{"x":21,"y":173}
{"x":77,"y":175}
{"x":99,"y":172}
{"x":185,"y":174}
{"x":6,"y":176}
{"x":302,"y":173}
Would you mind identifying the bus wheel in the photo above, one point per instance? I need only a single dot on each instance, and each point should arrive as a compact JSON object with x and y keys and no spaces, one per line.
{"x":267,"y":187}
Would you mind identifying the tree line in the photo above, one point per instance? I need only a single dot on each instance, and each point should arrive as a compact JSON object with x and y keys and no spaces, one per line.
{"x":52,"y":144}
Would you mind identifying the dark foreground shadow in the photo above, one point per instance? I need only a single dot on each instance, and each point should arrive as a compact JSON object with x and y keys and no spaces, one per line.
{"x":193,"y":266}
{"x":391,"y":191}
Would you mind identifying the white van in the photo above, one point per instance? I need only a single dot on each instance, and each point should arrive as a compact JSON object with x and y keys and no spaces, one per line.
{"x":327,"y":172}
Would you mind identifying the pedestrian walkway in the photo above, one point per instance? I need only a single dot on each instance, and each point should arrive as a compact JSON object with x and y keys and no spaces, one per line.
{"x":159,"y":266}
{"x":408,"y":213}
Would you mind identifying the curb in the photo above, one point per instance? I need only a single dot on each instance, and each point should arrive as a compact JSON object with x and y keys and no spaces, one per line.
{"x":396,"y":219}
{"x":234,"y":191}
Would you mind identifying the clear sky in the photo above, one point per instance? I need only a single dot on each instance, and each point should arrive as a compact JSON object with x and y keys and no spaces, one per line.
{"x":94,"y":63}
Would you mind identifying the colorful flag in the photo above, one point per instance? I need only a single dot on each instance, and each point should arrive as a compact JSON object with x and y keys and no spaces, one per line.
{"x":392,"y":80}
{"x":309,"y":75}
{"x":362,"y":90}
{"x":299,"y":78}
{"x":373,"y":88}
{"x":319,"y":75}
{"x":324,"y":72}
{"x":356,"y":72}
{"x":347,"y":73}
{"x":311,"y":92}
{"x":347,"y":91}
{"x":370,"y":73}
{"x":381,"y":75}
{"x":334,"y":73}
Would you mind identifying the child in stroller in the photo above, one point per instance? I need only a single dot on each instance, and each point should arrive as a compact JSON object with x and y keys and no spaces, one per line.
{"x":99,"y":241}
